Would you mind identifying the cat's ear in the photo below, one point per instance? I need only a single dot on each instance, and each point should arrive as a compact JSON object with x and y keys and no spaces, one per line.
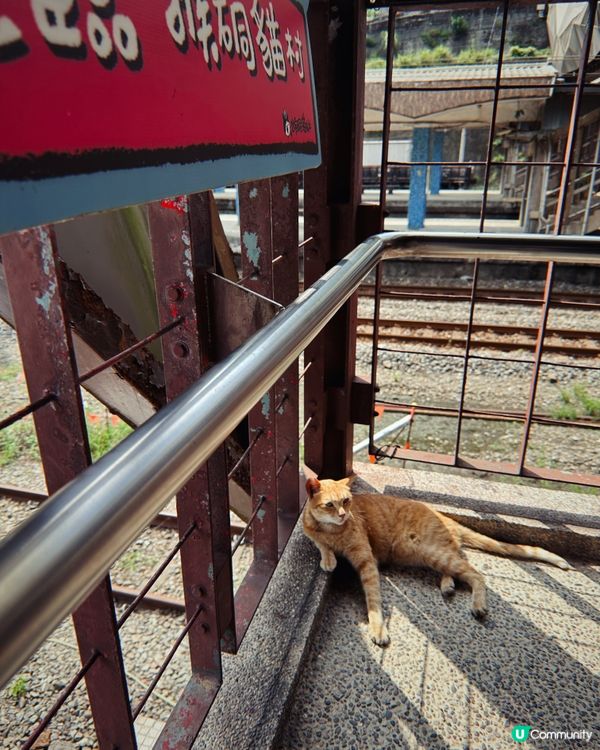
{"x":313,"y":486}
{"x":347,"y":481}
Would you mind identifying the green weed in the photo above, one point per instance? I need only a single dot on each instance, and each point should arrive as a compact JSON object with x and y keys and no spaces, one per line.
{"x":18,"y":687}
{"x":575,"y":403}
{"x":18,"y":442}
{"x":104,"y":433}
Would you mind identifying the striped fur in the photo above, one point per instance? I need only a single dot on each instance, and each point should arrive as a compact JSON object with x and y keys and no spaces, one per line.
{"x":368,"y":529}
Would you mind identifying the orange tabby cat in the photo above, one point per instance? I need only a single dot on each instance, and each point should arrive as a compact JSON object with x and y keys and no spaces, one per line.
{"x":371,"y":529}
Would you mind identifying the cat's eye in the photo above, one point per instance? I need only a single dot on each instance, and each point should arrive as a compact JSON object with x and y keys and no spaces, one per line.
{"x":346,"y":500}
{"x":329,"y":505}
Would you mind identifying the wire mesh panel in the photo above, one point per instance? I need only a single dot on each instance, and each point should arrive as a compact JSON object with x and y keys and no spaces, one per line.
{"x":508,"y":94}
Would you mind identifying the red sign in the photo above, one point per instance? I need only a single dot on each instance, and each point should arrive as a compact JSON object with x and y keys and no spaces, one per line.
{"x":94,"y":85}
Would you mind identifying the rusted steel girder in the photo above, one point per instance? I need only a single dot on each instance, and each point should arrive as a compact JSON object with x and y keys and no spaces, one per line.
{"x":29,"y":259}
{"x":332,"y":194}
{"x":181,"y":248}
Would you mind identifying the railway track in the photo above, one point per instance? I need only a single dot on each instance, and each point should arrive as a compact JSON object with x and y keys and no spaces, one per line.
{"x":484,"y":336}
{"x":497,"y":296}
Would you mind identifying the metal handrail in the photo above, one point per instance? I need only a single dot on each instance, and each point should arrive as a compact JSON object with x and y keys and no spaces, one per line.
{"x":50,"y":563}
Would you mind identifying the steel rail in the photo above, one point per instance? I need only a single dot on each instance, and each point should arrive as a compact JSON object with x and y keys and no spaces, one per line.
{"x":50,"y":563}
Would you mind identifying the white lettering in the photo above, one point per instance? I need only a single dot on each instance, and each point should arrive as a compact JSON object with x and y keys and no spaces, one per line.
{"x":126,"y":38}
{"x":51,"y":17}
{"x":99,"y":37}
{"x":10,"y":33}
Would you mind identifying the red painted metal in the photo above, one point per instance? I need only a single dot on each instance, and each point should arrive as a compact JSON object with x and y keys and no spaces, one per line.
{"x":203,"y":257}
{"x":257,"y":255}
{"x":175,"y":247}
{"x":332,"y":194}
{"x":29,"y":260}
{"x":284,"y":208}
{"x":180,"y":732}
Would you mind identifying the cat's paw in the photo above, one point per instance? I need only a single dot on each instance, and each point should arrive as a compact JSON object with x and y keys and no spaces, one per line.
{"x":379,"y":635}
{"x":479,"y":611}
{"x":328,"y":563}
{"x":447,"y":586}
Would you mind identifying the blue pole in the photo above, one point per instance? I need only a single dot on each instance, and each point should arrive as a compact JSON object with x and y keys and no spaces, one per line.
{"x":417,"y":199}
{"x":435,"y":173}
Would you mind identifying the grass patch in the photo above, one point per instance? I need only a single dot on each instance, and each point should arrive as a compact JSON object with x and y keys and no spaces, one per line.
{"x":18,"y":442}
{"x":441,"y":54}
{"x":104,"y":432}
{"x":18,"y":687}
{"x":576,"y":402}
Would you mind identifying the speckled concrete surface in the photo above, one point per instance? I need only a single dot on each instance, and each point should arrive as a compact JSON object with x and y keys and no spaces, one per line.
{"x":447,"y":681}
{"x":259,"y":680}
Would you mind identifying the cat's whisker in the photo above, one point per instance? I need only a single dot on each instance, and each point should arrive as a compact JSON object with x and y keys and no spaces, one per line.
{"x":410,"y":601}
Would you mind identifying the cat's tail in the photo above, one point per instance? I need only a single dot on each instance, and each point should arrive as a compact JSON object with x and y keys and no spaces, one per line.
{"x":473,"y":539}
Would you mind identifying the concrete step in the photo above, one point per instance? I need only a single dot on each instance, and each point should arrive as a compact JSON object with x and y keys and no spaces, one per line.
{"x":308,"y":676}
{"x":567,"y":523}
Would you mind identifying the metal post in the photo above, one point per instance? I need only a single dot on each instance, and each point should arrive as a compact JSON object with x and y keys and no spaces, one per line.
{"x":331,"y":197}
{"x":257,"y":257}
{"x":284,"y":206}
{"x":417,"y":199}
{"x":29,"y":260}
{"x":184,"y":360}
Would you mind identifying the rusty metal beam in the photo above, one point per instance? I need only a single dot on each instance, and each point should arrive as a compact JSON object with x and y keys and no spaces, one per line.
{"x":34,"y":284}
{"x":184,"y":361}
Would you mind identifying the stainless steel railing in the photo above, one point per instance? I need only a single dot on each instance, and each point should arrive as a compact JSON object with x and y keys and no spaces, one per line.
{"x":51,"y":562}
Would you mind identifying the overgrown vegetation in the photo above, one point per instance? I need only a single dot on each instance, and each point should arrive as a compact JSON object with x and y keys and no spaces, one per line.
{"x":18,"y":687}
{"x":576,"y":402}
{"x":104,"y":433}
{"x":19,"y":442}
{"x":441,"y":54}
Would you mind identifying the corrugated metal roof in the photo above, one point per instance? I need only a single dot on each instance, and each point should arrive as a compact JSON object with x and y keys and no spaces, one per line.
{"x":470,"y":73}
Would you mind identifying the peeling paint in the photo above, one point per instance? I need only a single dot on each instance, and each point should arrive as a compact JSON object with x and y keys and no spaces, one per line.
{"x":253,"y":251}
{"x":45,"y":299}
{"x":46,"y":245}
{"x":179,"y":204}
{"x":187,"y":255}
{"x":265,"y":404}
{"x":188,"y":265}
{"x":253,"y":193}
{"x":261,"y":515}
{"x":211,"y":571}
{"x":286,"y":191}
